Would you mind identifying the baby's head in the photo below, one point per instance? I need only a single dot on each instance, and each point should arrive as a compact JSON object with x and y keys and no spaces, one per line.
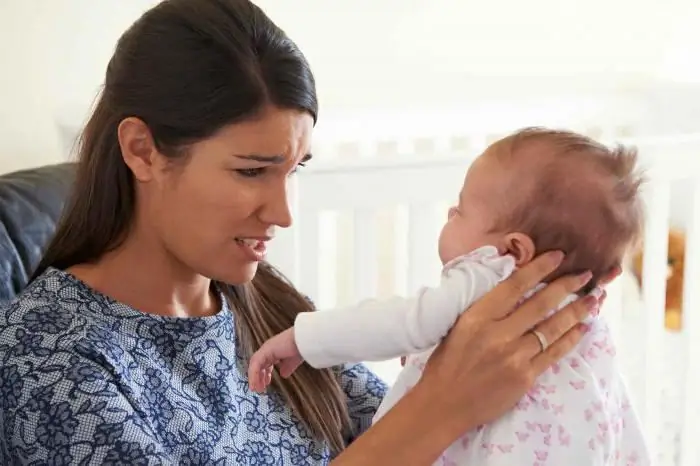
{"x":539,"y":190}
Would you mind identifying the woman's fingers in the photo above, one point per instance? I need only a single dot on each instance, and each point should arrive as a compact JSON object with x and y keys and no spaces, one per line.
{"x":610,"y":276}
{"x":557,"y":325}
{"x":557,"y":350}
{"x":494,"y":360}
{"x":503,"y":298}
{"x":538,"y":306}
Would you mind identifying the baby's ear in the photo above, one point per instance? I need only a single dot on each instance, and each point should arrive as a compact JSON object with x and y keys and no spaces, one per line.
{"x":521,"y":247}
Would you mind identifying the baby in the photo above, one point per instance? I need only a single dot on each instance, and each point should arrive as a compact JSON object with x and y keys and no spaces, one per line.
{"x":533,"y":191}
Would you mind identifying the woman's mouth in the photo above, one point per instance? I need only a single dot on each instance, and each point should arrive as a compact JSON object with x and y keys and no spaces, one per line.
{"x":255,"y":249}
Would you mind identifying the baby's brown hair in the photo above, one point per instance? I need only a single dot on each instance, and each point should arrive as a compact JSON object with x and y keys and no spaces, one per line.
{"x":577,"y":196}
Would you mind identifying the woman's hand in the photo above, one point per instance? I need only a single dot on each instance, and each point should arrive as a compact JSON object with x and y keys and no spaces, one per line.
{"x":491,"y":357}
{"x":488,"y":361}
{"x":601,"y":297}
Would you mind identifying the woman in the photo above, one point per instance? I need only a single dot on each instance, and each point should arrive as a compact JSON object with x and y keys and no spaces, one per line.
{"x":130,"y":344}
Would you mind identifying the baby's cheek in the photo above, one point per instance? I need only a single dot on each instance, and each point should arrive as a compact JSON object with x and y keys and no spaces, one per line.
{"x":452,"y":243}
{"x":443,"y":250}
{"x":443,"y":242}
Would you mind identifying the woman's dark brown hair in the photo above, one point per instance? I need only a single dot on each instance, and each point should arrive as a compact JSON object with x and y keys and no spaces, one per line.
{"x":187,"y":68}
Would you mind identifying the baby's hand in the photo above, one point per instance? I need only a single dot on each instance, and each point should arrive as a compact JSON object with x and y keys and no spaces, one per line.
{"x":281,"y":351}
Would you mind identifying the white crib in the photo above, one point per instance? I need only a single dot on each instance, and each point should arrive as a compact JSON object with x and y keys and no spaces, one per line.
{"x":367,"y":226}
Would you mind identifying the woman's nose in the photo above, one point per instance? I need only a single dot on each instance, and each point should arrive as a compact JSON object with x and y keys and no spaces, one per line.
{"x":276,"y":210}
{"x":284,"y":217}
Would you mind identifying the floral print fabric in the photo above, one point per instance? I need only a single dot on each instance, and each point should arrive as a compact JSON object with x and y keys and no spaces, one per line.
{"x":87,"y":380}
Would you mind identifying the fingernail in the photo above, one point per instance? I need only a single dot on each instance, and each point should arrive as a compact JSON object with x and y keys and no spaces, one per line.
{"x":591,"y":302}
{"x":585,"y":328}
{"x":585,"y":277}
{"x":556,"y":257}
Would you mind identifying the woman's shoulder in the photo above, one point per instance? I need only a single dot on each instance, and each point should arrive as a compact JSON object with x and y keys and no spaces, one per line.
{"x":45,"y":308}
{"x":49,"y":318}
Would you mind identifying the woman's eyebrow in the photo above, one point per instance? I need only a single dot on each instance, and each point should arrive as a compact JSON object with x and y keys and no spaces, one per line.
{"x":273,"y":159}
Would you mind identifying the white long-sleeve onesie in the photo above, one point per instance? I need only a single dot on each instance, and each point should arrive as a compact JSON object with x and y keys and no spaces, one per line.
{"x":578,"y":413}
{"x":377,"y":330}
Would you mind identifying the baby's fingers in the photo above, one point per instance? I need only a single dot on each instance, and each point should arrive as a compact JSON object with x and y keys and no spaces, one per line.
{"x":260,"y":364}
{"x":288,"y":365}
{"x":261,"y":380}
{"x":253,"y":374}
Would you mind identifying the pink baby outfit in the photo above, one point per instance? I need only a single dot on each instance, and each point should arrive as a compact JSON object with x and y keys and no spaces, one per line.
{"x":577,"y":414}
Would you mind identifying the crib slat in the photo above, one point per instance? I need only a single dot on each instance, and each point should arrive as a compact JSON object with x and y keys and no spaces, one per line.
{"x":308,"y":240}
{"x":690,"y":454}
{"x":423,"y":263}
{"x":365,"y":253}
{"x":657,"y":197}
{"x":400,"y":264}
{"x":327,"y":259}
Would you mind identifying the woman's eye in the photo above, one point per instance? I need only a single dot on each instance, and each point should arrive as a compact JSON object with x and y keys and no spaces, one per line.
{"x":259,"y":171}
{"x":251,"y":172}
{"x":298,"y":167}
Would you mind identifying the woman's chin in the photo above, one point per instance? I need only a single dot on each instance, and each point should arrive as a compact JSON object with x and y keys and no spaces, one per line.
{"x":240,"y":274}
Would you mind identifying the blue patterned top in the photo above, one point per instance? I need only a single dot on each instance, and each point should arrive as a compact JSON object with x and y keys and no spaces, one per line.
{"x":87,"y":380}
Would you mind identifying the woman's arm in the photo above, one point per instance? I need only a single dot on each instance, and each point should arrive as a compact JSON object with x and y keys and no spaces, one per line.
{"x":491,"y":355}
{"x":411,"y":433}
{"x":364,"y":392}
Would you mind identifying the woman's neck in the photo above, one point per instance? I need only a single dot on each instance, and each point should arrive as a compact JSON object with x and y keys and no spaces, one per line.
{"x":145,"y":276}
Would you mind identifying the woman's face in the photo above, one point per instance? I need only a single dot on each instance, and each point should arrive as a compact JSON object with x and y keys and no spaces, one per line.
{"x":215,"y":213}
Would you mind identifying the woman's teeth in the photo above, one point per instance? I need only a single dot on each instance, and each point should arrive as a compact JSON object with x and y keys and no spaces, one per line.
{"x":248,"y":242}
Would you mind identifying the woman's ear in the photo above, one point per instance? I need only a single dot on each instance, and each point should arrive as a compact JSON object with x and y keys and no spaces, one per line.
{"x":521,"y":247}
{"x":137,"y":147}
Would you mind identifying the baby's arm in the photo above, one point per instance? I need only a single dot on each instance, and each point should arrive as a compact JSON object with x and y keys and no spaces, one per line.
{"x":281,"y":351}
{"x":386,"y":329}
{"x":380,"y":329}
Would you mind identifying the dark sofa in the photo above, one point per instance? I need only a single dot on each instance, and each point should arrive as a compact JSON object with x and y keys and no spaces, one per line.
{"x":30,"y":205}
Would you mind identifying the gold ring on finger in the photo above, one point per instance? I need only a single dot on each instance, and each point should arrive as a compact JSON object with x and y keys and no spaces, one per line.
{"x":544,"y":344}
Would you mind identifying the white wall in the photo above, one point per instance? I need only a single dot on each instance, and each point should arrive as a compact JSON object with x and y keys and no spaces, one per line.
{"x":371,"y":57}
{"x":53,"y":57}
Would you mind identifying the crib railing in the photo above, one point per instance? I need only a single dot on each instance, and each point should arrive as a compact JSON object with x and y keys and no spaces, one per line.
{"x":367,"y":226}
{"x":405,"y":193}
{"x":670,"y":160}
{"x":691,"y":320}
